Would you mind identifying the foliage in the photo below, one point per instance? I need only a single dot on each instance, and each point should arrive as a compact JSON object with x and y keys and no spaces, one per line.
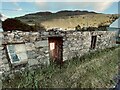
{"x":102,"y":27}
{"x":92,"y":28}
{"x":39,"y":27}
{"x":78,"y":27}
{"x":14,"y":24}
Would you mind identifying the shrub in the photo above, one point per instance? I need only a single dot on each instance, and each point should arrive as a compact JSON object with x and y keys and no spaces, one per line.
{"x":78,"y":27}
{"x":14,"y":24}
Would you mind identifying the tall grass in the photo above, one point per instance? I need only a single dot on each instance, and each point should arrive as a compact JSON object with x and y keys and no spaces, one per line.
{"x":95,"y":69}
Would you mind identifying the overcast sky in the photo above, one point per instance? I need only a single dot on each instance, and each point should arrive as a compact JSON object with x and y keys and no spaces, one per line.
{"x":15,"y":8}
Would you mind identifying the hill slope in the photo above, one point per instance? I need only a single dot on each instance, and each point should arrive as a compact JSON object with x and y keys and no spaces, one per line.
{"x":68,"y":20}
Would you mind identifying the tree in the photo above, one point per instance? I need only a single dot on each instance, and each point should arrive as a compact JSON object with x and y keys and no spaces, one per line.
{"x":14,"y":24}
{"x":78,"y":27}
{"x":102,"y":27}
{"x":39,"y":27}
{"x":91,"y":28}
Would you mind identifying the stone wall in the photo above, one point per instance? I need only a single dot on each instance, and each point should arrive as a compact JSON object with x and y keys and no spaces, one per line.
{"x":4,"y":65}
{"x":36,"y":48}
{"x":1,"y":61}
{"x":79,"y":43}
{"x":75,"y":43}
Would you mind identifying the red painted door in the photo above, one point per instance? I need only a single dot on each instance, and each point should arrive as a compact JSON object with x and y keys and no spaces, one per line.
{"x":56,"y":49}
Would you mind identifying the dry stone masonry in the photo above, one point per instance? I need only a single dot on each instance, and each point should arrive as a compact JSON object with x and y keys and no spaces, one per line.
{"x":19,"y":50}
{"x":79,"y":43}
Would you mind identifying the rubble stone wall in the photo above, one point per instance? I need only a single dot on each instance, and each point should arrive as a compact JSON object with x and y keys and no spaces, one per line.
{"x":4,"y":65}
{"x":79,"y":43}
{"x":75,"y":43}
{"x":36,"y":48}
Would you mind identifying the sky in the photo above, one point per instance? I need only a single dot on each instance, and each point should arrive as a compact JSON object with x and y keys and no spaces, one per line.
{"x":16,"y":8}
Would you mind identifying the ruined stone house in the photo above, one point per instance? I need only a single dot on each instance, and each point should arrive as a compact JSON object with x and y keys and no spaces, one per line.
{"x":28,"y":49}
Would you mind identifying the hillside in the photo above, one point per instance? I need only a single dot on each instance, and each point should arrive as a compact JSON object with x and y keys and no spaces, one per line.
{"x":68,"y":20}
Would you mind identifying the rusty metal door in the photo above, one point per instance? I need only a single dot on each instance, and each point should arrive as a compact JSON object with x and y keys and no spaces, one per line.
{"x":56,"y":49}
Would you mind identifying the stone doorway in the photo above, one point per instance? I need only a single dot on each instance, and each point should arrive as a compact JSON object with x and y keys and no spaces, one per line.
{"x":56,"y":49}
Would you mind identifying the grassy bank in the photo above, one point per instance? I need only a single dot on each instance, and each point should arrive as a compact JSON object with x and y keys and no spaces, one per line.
{"x":94,"y":70}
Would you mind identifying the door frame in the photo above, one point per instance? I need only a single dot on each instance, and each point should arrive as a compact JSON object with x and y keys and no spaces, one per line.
{"x":56,"y":49}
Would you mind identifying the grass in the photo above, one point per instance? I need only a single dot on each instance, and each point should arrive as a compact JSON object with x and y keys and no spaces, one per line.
{"x":92,"y":20}
{"x":94,"y":70}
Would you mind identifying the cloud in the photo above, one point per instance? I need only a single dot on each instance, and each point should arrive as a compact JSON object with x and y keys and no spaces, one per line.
{"x":18,"y":8}
{"x":59,"y":0}
{"x":96,"y":6}
{"x":3,"y":17}
{"x":93,"y":6}
{"x":102,"y":6}
{"x":10,"y":0}
{"x":40,"y":2}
